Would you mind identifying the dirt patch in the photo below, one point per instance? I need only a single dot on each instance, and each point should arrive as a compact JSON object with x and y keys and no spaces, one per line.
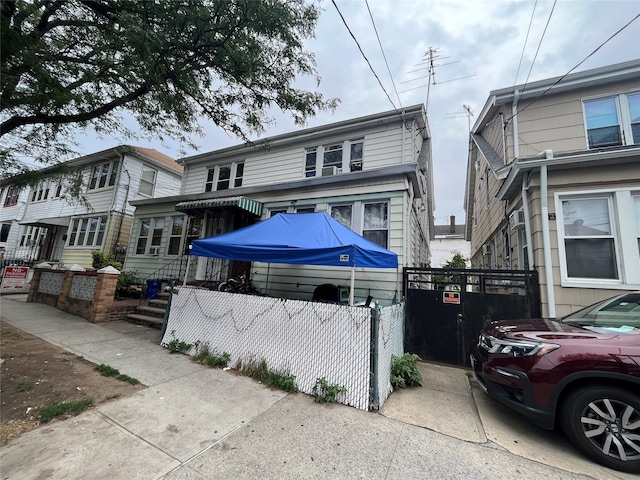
{"x":34,"y":374}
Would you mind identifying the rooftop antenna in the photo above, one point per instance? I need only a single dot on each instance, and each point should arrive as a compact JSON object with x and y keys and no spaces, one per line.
{"x":467,"y":109}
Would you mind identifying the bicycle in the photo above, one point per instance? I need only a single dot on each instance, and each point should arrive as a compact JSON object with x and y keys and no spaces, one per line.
{"x":242,"y":284}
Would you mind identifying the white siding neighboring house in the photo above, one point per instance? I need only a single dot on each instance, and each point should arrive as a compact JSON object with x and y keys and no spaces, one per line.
{"x":553,"y":184}
{"x":50,"y":227}
{"x":373,"y":174}
{"x":448,"y":241}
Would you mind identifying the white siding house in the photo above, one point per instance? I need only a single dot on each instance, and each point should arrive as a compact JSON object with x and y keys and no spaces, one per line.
{"x":52,"y":225}
{"x":373,"y":174}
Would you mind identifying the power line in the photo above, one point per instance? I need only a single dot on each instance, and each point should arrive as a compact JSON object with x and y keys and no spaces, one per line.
{"x":540,"y":43}
{"x":363,"y":55}
{"x":383,"y":55}
{"x":525,"y":43}
{"x":580,"y":63}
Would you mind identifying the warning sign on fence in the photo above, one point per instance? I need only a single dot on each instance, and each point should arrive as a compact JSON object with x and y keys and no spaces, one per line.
{"x":451,"y":297}
{"x":14,"y":279}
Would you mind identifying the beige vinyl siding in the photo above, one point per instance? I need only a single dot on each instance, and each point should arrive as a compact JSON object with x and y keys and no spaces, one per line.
{"x":488,"y":219}
{"x":77,"y":256}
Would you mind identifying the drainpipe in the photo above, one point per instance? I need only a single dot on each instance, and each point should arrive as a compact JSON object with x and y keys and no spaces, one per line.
{"x":514,"y":117}
{"x":407,"y":239}
{"x":404,"y":129}
{"x":527,"y":221}
{"x":546,"y":238}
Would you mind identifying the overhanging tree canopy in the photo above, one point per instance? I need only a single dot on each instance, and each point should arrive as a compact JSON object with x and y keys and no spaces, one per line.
{"x":80,"y":63}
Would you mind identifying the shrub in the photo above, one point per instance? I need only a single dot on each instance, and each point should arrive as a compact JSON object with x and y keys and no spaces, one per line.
{"x":404,"y":372}
{"x":325,"y":392}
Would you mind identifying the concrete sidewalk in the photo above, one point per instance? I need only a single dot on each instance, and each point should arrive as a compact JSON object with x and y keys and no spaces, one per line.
{"x":193,"y":422}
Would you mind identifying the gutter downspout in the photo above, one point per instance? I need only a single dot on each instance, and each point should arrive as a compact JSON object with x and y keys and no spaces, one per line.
{"x":116,"y":189}
{"x":527,"y":221}
{"x":546,"y":238}
{"x":514,"y":117}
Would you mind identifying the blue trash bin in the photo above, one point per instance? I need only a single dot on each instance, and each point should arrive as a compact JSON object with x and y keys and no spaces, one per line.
{"x":153,"y":288}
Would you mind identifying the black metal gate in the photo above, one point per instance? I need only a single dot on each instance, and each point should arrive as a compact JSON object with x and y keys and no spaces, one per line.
{"x":447,"y":308}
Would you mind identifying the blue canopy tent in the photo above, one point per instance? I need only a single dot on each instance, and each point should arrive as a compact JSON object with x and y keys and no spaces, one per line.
{"x":301,"y":239}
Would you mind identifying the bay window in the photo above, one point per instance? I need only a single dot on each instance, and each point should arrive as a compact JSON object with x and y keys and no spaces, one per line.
{"x":103,"y":175}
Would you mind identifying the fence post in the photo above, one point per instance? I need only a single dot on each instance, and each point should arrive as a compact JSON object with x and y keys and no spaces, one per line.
{"x":374,"y":394}
{"x":104,"y":294}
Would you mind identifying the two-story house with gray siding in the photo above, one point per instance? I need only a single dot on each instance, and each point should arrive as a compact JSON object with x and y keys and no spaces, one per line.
{"x":373,"y":174}
{"x":553,"y":184}
{"x":50,"y":225}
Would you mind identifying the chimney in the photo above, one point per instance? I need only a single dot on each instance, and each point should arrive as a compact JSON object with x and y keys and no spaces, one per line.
{"x":452,"y":224}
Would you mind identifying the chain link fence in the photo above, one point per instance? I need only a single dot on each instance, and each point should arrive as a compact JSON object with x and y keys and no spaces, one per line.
{"x":309,"y":340}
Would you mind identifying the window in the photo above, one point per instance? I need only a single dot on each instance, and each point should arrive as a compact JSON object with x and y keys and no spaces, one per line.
{"x":175,"y":237}
{"x":4,"y":232}
{"x":193,"y":232}
{"x":147,"y":181}
{"x":103,"y":175}
{"x":375,"y":227}
{"x":373,"y":217}
{"x":355,"y":160}
{"x":310,"y":162}
{"x":41,"y":191}
{"x":305,"y":209}
{"x":333,"y":156}
{"x":221,"y":177}
{"x":12,"y":196}
{"x":150,"y":236}
{"x":612,"y":121}
{"x":343,"y":214}
{"x":276,"y":211}
{"x":87,"y":232}
{"x":32,"y":236}
{"x":589,"y":239}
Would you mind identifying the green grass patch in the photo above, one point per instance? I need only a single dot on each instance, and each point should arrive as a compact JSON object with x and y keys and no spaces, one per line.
{"x":107,"y":371}
{"x":23,"y":385}
{"x":210,"y":358}
{"x":55,"y":409}
{"x":259,"y":371}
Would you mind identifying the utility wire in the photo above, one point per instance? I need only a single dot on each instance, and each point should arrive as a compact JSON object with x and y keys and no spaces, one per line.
{"x":383,"y":55}
{"x":539,"y":44}
{"x":580,"y":63}
{"x":525,"y":43}
{"x":364,"y":56}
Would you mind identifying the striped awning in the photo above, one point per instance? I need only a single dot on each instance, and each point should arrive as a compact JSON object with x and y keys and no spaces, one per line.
{"x":243,"y":203}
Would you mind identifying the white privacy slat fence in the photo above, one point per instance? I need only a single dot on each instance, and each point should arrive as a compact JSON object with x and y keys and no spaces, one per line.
{"x":309,"y":340}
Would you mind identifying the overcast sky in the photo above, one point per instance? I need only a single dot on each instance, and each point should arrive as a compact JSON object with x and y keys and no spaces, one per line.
{"x":480,"y":40}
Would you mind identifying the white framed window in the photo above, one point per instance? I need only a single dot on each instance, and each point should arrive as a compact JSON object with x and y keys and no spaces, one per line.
{"x":32,"y":236}
{"x":147,"y":181}
{"x":175,"y":235}
{"x":150,"y":236}
{"x":369,"y":219}
{"x":612,"y":120}
{"x":332,"y":156}
{"x":41,"y":191}
{"x":598,"y":238}
{"x":375,"y":226}
{"x":355,"y":155}
{"x":311,"y":157}
{"x":87,"y":232}
{"x":12,"y":196}
{"x":224,"y":177}
{"x":103,"y":175}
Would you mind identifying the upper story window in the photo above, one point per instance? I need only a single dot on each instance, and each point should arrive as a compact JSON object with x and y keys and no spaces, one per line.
{"x":311,"y":156}
{"x":12,"y":196}
{"x":103,"y":175}
{"x":355,"y":160}
{"x":87,"y":232}
{"x":147,"y":181}
{"x":336,"y":158}
{"x":41,"y":191}
{"x":613,"y":120}
{"x":224,"y":177}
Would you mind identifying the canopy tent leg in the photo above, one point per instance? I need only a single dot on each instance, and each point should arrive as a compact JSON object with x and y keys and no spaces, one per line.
{"x":353,"y":285}
{"x":186,"y":272}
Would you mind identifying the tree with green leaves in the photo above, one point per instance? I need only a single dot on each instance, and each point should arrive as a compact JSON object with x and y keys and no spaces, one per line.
{"x":450,"y":282}
{"x":74,"y":64}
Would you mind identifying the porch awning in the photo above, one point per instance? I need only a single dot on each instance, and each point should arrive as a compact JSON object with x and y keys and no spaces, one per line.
{"x":47,"y":222}
{"x":243,"y":203}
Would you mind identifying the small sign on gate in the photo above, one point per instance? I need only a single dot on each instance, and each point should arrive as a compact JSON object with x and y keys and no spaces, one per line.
{"x":451,"y":297}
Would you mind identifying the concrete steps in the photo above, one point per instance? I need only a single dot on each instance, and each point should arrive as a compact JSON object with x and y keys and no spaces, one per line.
{"x":152,"y":314}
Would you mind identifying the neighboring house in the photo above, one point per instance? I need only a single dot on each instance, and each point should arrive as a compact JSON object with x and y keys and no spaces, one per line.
{"x":448,"y":241}
{"x":13,"y":200}
{"x":373,"y":174}
{"x":49,"y":224}
{"x":553,"y":184}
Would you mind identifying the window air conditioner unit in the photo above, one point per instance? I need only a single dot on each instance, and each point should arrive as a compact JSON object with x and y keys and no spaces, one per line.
{"x":486,"y":249}
{"x":154,"y":251}
{"x":516,"y":219}
{"x":332,"y":170}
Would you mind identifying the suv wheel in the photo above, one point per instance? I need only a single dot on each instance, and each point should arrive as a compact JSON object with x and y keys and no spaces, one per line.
{"x":604,"y":423}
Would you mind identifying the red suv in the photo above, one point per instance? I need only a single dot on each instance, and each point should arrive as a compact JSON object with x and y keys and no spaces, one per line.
{"x":581,"y":373}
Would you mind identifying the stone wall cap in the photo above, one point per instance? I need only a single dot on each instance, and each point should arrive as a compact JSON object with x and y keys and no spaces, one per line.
{"x":77,"y":268}
{"x":43,"y":265}
{"x":109,"y":270}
